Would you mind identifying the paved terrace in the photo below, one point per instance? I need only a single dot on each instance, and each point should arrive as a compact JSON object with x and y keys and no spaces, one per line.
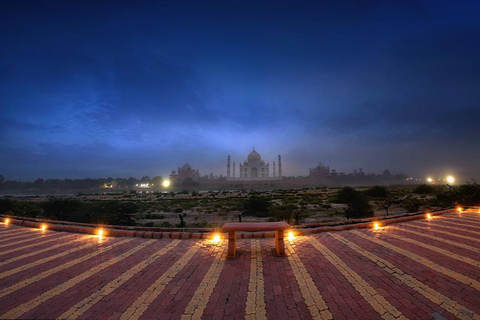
{"x":422,"y":269}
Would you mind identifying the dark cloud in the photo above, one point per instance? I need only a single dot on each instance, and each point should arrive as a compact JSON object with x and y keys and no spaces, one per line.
{"x":121,"y":88}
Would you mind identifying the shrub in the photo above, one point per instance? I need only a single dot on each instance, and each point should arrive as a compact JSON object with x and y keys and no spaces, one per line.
{"x":6,"y":205}
{"x":257,"y":206}
{"x":424,"y":189}
{"x":345,"y":195}
{"x":358,"y":207}
{"x":377,"y":192}
{"x":165,"y":224}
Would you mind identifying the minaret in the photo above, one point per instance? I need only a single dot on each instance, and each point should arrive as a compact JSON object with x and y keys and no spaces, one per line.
{"x":279,"y":166}
{"x":274,"y":172}
{"x":228,"y":167}
{"x":234,"y":169}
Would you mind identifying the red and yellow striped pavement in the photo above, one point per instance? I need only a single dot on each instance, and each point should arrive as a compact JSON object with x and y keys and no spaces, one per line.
{"x":422,"y":269}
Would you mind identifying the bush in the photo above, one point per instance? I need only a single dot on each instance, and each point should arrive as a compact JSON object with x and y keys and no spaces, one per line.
{"x":6,"y":205}
{"x":65,"y":209}
{"x":283,"y":212}
{"x":357,"y":203}
{"x":377,"y":192}
{"x":412,"y":204}
{"x":154,"y":216}
{"x":358,"y":207}
{"x":165,"y":224}
{"x":257,"y":206}
{"x":424,"y":189}
{"x":345,"y":195}
{"x":110,"y":212}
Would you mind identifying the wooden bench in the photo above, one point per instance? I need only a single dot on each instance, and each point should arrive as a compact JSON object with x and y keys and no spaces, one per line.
{"x":233,"y":227}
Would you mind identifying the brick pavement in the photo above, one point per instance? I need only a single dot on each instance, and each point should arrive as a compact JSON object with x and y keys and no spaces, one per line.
{"x":422,"y":269}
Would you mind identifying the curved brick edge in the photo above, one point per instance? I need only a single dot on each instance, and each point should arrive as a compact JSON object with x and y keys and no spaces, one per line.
{"x":144,"y":232}
{"x":370,"y":224}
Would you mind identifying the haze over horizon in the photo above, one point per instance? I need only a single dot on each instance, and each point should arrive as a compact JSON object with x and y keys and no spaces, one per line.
{"x":120,"y":89}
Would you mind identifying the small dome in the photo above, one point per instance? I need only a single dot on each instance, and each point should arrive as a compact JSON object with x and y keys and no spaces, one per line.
{"x":254,"y":156}
{"x":186,"y":167}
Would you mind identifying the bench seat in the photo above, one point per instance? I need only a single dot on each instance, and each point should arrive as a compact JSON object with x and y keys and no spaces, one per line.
{"x":233,"y":227}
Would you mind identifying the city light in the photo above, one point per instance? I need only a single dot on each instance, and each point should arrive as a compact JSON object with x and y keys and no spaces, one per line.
{"x":216,"y":237}
{"x":43,"y":227}
{"x":376,"y":226}
{"x":459,"y":209}
{"x":430,"y":180}
{"x":450,"y":179}
{"x":100,"y":233}
{"x":429,"y":216}
{"x":290,"y":235}
{"x":166,"y":183}
{"x":7,"y":221}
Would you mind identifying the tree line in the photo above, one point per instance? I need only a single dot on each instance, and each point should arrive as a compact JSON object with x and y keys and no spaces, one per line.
{"x":52,"y":185}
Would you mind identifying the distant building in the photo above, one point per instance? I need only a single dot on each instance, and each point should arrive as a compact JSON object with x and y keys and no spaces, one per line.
{"x":321,"y":172}
{"x":254,"y":168}
{"x":183,"y":173}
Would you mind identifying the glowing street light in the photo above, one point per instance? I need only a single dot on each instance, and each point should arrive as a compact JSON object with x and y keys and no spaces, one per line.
{"x":166,"y":183}
{"x":450,"y":179}
{"x":7,"y":221}
{"x":376,"y":226}
{"x":429,"y":180}
{"x":216,"y":237}
{"x":100,"y":233}
{"x":429,"y":216}
{"x":290,"y":235}
{"x":43,"y":227}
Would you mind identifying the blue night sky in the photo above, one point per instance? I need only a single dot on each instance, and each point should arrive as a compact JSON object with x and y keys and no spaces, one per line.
{"x":134,"y":88}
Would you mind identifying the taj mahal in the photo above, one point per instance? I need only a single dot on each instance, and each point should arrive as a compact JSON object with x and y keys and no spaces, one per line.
{"x":254,"y":168}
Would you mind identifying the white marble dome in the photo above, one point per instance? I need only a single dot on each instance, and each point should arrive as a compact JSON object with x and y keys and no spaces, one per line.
{"x":254,"y":156}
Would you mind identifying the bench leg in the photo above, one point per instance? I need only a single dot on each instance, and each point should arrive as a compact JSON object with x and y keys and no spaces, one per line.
{"x":279,"y":243}
{"x":232,"y":245}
